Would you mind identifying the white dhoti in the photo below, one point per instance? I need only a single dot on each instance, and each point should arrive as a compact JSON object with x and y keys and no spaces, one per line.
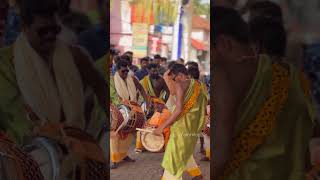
{"x":119,"y":148}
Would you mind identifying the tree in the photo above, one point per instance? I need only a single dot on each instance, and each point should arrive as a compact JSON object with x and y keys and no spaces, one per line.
{"x":201,"y":9}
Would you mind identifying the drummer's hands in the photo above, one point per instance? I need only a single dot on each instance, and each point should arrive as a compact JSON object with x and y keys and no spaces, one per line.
{"x":158,"y":131}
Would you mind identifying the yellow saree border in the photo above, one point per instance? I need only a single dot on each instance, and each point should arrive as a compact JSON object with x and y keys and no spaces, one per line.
{"x":147,"y":85}
{"x":305,"y":84}
{"x":259,"y":129}
{"x":194,"y":171}
{"x":192,"y":100}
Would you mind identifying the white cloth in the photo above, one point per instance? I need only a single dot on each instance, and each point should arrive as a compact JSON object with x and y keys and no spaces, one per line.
{"x":171,"y":103}
{"x":131,"y":73}
{"x":67,"y":35}
{"x":125,"y":89}
{"x":45,"y":97}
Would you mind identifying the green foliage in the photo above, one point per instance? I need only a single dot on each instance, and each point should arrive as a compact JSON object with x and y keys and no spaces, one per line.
{"x":201,"y":9}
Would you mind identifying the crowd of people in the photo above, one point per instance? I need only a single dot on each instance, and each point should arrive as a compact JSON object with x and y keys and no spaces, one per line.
{"x":54,"y":91}
{"x":166,"y":88}
{"x":264,"y":115}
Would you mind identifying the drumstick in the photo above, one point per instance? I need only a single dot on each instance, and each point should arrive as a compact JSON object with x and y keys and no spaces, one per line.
{"x":145,"y":130}
{"x":119,"y":128}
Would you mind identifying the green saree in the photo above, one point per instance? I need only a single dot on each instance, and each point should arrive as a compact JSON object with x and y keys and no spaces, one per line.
{"x":184,"y":134}
{"x":283,"y":154}
{"x":12,"y":113}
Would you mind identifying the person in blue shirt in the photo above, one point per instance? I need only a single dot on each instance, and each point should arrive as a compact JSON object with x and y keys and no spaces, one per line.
{"x":114,"y":52}
{"x":140,"y":74}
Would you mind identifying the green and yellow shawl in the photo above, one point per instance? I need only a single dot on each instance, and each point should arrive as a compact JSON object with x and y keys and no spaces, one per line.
{"x":283,"y":153}
{"x":185,"y":132}
{"x":12,"y":112}
{"x":147,"y":85}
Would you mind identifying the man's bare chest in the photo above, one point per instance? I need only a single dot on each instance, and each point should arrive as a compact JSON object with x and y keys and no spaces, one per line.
{"x":157,"y":85}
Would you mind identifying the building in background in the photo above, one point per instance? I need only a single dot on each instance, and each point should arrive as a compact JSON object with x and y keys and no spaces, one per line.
{"x":120,"y":25}
{"x":160,"y":37}
{"x":200,"y":42}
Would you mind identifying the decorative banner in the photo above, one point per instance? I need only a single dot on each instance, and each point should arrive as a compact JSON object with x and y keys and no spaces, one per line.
{"x":141,"y":11}
{"x":140,"y":39}
{"x":162,"y":12}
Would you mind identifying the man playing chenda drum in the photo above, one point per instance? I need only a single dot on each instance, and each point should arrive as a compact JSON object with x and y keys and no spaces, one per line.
{"x":38,"y":71}
{"x":186,"y":123}
{"x":44,"y":78}
{"x":158,"y":91}
{"x":126,"y":90}
{"x":154,"y":84}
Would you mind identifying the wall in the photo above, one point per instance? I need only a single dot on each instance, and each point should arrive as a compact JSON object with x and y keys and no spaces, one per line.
{"x":198,"y":34}
{"x":120,"y":25}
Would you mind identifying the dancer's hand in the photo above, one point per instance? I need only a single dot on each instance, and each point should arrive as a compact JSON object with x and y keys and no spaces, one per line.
{"x":158,"y":131}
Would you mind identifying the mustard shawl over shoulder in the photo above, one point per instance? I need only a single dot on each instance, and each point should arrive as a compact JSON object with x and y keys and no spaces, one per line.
{"x":282,"y":154}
